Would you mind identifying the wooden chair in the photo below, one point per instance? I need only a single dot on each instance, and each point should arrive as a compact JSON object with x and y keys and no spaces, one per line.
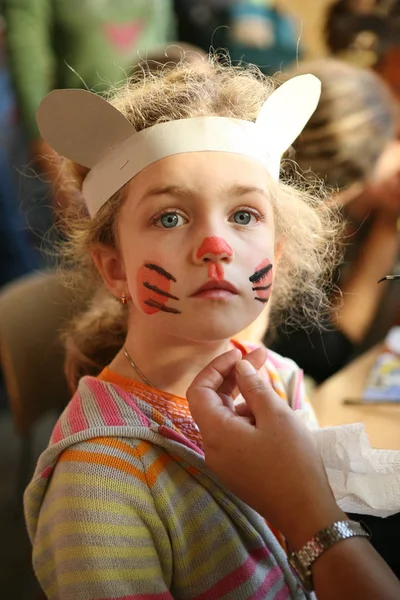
{"x":33,"y":312}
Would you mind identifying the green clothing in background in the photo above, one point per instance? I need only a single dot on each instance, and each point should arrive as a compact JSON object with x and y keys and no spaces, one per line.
{"x":77,"y":43}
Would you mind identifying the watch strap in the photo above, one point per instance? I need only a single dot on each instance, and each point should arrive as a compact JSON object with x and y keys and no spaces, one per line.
{"x":302,"y":560}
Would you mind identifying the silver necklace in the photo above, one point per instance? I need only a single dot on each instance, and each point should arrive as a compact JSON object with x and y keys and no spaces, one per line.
{"x":136,"y":368}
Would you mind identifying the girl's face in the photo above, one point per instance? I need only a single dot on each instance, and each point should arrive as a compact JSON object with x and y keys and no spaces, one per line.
{"x":196,"y":237}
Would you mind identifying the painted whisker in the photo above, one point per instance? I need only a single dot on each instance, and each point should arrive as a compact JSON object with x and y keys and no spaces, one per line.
{"x":258,"y":275}
{"x":161,"y":307}
{"x":261,"y":288}
{"x":160,"y":271}
{"x":262,"y":300}
{"x":157,"y":290}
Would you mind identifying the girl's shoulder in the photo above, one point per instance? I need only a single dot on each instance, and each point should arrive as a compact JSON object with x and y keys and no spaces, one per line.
{"x":282,"y":365}
{"x":289,"y":378}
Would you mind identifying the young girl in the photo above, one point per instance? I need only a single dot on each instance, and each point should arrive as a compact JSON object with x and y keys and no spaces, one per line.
{"x":178,"y":213}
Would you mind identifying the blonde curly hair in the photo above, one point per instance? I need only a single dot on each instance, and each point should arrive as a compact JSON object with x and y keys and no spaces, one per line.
{"x":308,"y":227}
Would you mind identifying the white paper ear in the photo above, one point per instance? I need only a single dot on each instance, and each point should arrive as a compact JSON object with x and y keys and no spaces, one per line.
{"x":81,"y":126}
{"x":286,"y":112}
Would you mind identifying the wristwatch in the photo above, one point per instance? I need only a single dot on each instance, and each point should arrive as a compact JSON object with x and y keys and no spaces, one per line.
{"x":303,"y":560}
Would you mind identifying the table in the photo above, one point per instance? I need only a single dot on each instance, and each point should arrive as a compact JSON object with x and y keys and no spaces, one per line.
{"x":382,"y":423}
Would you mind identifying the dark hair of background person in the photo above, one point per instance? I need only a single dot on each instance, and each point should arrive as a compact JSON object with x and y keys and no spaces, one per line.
{"x":367,"y":34}
{"x":355,"y":119}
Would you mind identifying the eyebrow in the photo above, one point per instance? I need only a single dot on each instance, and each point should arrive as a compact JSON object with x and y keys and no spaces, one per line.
{"x":236,"y":190}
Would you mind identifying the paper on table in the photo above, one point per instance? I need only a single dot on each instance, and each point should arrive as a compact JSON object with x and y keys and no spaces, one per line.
{"x":364,"y":480}
{"x":383,"y":382}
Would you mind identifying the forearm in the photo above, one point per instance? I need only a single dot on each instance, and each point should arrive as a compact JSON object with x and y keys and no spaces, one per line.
{"x":350,"y":569}
{"x":361,"y":294}
{"x":353,"y":570}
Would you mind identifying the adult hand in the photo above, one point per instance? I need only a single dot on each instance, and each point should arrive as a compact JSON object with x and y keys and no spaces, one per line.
{"x":229,"y":390}
{"x":270,"y":460}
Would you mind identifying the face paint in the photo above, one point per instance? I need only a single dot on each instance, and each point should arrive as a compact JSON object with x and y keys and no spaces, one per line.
{"x":153,"y":289}
{"x":262,"y":281}
{"x":216,"y":271}
{"x":214,"y":245}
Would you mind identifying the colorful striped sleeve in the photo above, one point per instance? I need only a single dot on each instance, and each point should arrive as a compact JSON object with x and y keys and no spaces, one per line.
{"x":99,"y":534}
{"x":299,"y":400}
{"x":288,"y":378}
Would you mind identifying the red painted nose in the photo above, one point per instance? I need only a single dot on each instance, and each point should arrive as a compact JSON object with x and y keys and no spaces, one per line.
{"x":214,"y":245}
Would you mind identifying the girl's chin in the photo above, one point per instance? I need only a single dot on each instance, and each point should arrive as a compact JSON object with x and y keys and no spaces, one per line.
{"x":204,"y":325}
{"x":213,"y":331}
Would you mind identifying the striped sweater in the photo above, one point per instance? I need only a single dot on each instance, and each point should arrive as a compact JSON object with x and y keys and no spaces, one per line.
{"x":122,"y":505}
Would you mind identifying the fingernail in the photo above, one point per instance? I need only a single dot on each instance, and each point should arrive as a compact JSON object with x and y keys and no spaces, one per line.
{"x":245,"y":367}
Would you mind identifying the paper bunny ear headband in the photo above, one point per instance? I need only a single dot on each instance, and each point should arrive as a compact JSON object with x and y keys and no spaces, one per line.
{"x":87,"y":129}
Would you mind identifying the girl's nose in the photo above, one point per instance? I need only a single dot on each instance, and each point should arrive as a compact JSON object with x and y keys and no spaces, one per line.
{"x":214,"y":249}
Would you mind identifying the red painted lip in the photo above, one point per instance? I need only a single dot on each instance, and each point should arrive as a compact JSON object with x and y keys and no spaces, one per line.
{"x":216,"y":285}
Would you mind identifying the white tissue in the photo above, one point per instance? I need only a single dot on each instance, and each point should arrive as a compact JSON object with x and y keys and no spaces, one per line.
{"x":364,"y":480}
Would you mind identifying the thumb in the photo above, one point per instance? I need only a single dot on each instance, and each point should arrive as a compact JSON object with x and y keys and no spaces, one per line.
{"x":259,"y":396}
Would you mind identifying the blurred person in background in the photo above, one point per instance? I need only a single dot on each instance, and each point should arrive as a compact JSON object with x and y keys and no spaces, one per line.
{"x":79,"y":43}
{"x":16,"y":256}
{"x":198,"y":21}
{"x":264,"y":34}
{"x":367,"y":33}
{"x":350,"y":143}
{"x":253,"y":31}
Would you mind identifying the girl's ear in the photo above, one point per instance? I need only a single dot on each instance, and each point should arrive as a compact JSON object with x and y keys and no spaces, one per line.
{"x":111,"y":268}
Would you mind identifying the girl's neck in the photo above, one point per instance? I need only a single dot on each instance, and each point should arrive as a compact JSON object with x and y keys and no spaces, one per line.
{"x":169,"y":364}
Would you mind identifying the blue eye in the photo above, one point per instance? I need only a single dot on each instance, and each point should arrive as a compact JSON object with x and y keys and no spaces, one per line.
{"x":243,"y":217}
{"x":170,"y":220}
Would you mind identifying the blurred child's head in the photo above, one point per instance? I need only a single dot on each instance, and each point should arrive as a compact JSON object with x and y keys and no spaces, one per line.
{"x":192,"y":217}
{"x":352,"y":127}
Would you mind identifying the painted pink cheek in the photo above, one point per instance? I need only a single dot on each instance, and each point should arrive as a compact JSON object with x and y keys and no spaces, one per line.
{"x":216,"y":271}
{"x":265,"y":281}
{"x":144,"y":275}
